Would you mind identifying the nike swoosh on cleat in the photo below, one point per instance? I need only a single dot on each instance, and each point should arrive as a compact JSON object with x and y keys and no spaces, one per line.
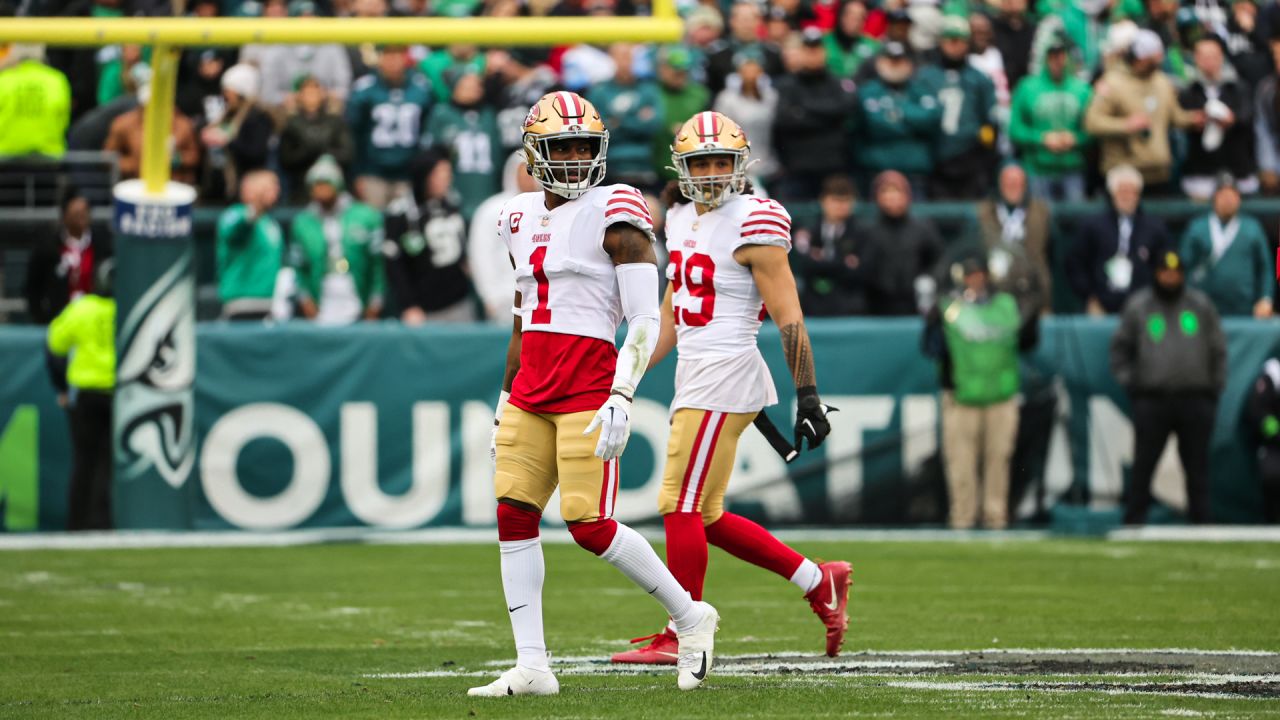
{"x":654,"y":590}
{"x":669,"y":654}
{"x":834,"y":603}
{"x":513,"y":609}
{"x":702,"y":672}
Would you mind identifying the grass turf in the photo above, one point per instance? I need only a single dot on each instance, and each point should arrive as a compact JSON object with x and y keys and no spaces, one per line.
{"x":297,"y":632}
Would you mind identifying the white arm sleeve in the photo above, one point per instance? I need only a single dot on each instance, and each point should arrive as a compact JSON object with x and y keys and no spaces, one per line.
{"x":638,"y":286}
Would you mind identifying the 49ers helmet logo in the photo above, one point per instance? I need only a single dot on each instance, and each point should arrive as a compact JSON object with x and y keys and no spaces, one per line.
{"x":532,"y":116}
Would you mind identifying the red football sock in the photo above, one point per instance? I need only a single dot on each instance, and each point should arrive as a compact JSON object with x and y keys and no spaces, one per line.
{"x":748,"y":541}
{"x":687,"y":550}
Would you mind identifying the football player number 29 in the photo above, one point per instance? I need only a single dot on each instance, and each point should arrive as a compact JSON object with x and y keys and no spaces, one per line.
{"x":697,"y":271}
{"x":541,"y":313}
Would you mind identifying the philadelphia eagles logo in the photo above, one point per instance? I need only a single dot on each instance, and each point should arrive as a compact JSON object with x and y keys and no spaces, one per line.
{"x":155,"y":410}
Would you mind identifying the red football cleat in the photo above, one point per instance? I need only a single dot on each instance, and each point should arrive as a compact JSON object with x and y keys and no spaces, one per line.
{"x":662,"y":651}
{"x":829,"y":601}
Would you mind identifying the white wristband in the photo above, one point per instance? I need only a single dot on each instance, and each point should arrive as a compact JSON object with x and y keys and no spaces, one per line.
{"x":502,"y":402}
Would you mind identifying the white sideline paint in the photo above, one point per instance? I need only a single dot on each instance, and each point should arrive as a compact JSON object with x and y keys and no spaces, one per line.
{"x":141,"y":539}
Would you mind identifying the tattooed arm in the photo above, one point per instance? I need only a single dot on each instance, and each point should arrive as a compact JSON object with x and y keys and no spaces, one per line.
{"x":777,"y":288}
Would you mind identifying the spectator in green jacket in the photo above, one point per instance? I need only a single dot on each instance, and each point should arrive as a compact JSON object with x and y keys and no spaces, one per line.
{"x":250,"y":249}
{"x":35,"y":105}
{"x":1046,"y":124}
{"x":85,"y":330}
{"x":976,"y":335}
{"x":632,"y":110}
{"x":964,"y":157}
{"x":681,"y":99}
{"x":385,"y":113}
{"x":1228,"y":258}
{"x":897,"y":121}
{"x":847,"y":46}
{"x":336,"y":251}
{"x":468,"y":127}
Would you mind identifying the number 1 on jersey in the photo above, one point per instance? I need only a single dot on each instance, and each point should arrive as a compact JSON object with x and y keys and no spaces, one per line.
{"x":541,"y":313}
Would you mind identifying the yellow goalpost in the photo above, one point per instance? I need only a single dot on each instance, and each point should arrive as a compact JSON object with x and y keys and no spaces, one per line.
{"x":167,"y":36}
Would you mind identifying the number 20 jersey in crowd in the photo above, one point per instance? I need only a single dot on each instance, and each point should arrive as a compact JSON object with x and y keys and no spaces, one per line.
{"x":570,"y":306}
{"x":717,"y":307}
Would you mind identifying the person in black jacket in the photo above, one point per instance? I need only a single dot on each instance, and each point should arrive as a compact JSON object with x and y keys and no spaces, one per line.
{"x":1112,"y":255}
{"x":1170,"y":355}
{"x":828,"y":256}
{"x":311,"y":132}
{"x":1015,"y":32}
{"x":62,"y":268}
{"x":1262,"y":414}
{"x":901,"y":252}
{"x":810,"y":127}
{"x":425,"y":244}
{"x":1225,"y":144}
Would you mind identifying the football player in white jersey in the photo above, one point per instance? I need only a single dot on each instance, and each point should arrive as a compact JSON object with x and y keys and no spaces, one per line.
{"x":584,"y":261}
{"x":728,"y":263}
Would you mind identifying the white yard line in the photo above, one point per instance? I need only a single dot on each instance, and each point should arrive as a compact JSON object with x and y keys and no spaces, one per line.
{"x":122,"y":540}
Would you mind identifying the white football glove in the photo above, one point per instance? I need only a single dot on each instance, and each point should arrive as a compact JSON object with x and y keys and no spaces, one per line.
{"x":497,"y":418}
{"x":614,"y":420}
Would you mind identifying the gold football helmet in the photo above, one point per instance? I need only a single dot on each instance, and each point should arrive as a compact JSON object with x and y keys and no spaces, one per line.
{"x":561,"y":116}
{"x":711,"y":133}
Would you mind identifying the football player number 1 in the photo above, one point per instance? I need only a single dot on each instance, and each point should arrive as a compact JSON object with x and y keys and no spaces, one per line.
{"x":541,"y":313}
{"x":697,"y":271}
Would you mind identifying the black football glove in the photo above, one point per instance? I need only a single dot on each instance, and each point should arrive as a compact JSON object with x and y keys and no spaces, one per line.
{"x":811,"y":418}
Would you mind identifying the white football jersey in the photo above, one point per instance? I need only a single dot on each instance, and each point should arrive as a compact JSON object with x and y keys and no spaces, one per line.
{"x":718,"y":309}
{"x":565,"y":278}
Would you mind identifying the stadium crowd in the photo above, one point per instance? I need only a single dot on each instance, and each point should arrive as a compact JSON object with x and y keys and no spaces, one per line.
{"x":396,"y":159}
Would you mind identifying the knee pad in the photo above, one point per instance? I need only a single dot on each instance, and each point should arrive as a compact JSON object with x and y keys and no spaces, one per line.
{"x":517,"y":523}
{"x":594,"y":536}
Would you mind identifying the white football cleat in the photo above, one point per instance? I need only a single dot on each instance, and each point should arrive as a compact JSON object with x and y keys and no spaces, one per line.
{"x":696,"y":648}
{"x":519,"y":681}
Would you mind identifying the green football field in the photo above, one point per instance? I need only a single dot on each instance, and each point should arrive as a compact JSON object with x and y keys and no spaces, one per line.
{"x":979,"y":629}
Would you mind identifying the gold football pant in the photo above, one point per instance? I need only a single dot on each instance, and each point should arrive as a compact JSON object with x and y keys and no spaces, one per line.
{"x":537,"y":453}
{"x":700,"y":455}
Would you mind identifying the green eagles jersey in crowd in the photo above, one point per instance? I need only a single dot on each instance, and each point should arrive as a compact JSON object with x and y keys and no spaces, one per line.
{"x":386,"y":124}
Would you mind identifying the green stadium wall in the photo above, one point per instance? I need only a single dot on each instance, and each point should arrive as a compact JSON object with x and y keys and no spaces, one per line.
{"x":385,"y":426}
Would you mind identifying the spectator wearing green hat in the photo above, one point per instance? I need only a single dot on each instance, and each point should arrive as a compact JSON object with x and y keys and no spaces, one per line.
{"x":311,"y":131}
{"x":1046,"y":125}
{"x":682,"y":98}
{"x":1228,"y":257}
{"x":336,"y":251}
{"x":964,"y":156}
